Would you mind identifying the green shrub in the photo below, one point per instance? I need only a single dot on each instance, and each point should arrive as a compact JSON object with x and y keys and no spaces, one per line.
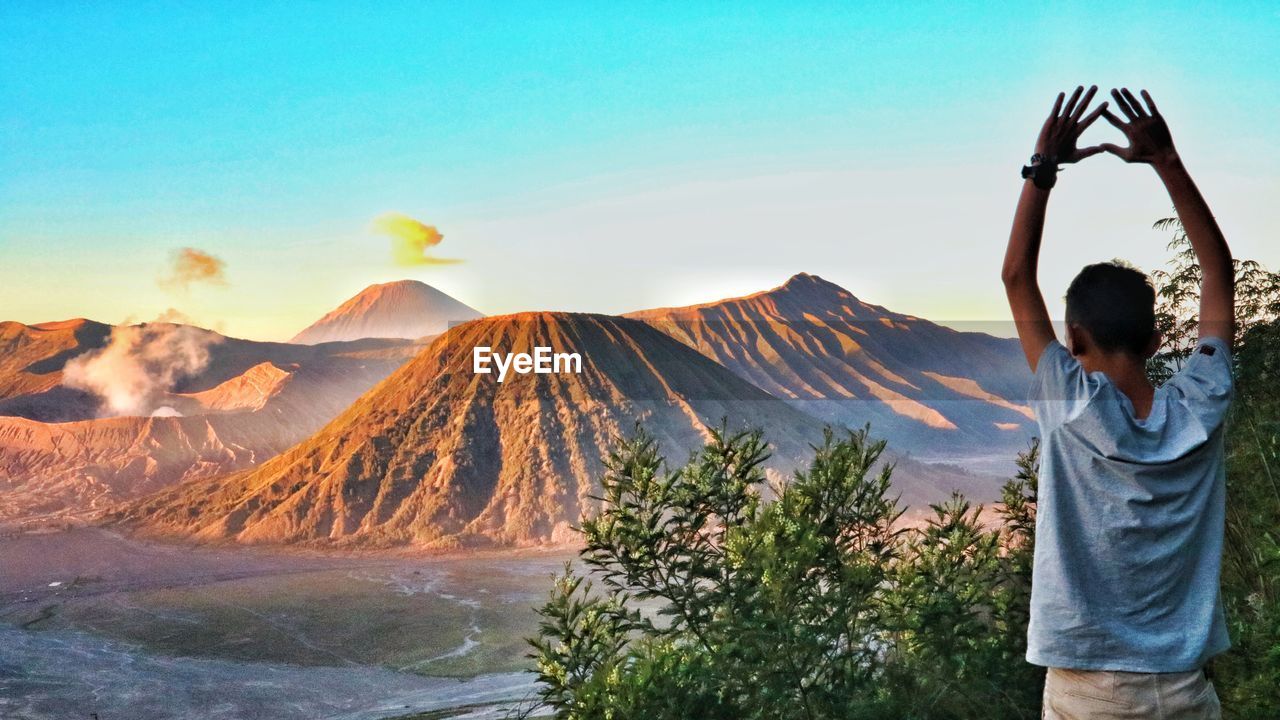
{"x":1248,"y":676}
{"x":711,"y":603}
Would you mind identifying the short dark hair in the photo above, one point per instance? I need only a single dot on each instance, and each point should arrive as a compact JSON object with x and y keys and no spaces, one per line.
{"x":1117,"y":305}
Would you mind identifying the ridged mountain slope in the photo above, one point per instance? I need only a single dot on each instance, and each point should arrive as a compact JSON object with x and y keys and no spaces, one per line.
{"x":929,"y":389}
{"x":31,"y":362}
{"x":438,"y":456}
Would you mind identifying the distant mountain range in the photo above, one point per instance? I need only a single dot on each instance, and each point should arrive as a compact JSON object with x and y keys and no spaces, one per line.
{"x":62,"y":455}
{"x":930,"y":389}
{"x":308,"y":443}
{"x":404,"y":309}
{"x":66,"y":453}
{"x":437,"y":456}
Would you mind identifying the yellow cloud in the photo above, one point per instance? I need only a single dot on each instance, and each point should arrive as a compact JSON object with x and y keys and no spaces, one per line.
{"x":192,"y":265}
{"x":411,"y":240}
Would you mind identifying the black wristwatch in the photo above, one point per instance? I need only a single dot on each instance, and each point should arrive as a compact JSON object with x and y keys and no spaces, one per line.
{"x":1043,"y":171}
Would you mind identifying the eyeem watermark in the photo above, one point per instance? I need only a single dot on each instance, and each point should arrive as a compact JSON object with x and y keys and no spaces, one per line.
{"x":542,"y":361}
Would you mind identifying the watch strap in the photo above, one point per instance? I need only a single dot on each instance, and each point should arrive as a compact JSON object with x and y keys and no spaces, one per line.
{"x":1043,"y":171}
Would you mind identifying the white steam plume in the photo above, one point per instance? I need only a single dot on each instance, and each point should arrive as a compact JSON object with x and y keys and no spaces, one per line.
{"x":139,"y":365}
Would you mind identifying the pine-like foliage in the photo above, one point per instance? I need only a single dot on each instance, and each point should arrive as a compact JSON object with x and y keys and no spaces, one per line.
{"x":1248,"y":675}
{"x":707,"y":602}
{"x":1178,"y":301}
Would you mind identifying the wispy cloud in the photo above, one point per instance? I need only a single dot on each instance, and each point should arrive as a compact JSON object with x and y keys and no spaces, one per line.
{"x":411,"y":240}
{"x":190,"y":265}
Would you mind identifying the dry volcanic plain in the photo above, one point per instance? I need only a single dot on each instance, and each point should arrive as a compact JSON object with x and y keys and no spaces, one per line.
{"x":94,"y":622}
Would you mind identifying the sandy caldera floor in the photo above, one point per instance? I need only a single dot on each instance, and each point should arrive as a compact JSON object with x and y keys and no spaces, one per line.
{"x":95,"y":622}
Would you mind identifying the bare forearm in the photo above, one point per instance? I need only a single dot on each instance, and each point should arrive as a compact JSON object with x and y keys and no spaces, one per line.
{"x":1197,"y":219}
{"x":1217,"y":292}
{"x":1021,"y":259}
{"x":1022,"y":255}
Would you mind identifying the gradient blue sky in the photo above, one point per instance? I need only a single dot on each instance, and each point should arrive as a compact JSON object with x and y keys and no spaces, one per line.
{"x":584,"y":158}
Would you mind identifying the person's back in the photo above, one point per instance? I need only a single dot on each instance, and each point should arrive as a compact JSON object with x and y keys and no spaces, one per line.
{"x":1125,"y":609}
{"x":1129,"y":542}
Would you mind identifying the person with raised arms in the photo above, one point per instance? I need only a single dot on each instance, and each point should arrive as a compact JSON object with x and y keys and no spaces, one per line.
{"x":1125,"y":606}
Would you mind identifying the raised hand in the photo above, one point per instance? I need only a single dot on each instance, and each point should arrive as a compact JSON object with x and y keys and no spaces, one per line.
{"x":1148,"y":135}
{"x":1062,"y":130}
{"x":1056,"y":145}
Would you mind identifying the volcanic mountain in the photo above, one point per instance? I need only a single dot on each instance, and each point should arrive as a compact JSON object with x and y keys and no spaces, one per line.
{"x":31,"y":362}
{"x":438,"y":455}
{"x":402,"y":309}
{"x":930,"y":390}
{"x":64,"y":453}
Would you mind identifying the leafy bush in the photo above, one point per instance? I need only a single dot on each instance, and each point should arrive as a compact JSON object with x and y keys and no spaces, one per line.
{"x":1257,"y":292}
{"x":711,"y":603}
{"x":1248,"y":675}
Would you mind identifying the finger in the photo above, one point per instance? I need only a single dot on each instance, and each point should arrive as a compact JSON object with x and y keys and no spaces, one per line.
{"x":1071,"y":104}
{"x":1155,"y":111}
{"x":1123,"y":104}
{"x":1084,"y":103}
{"x":1111,"y":118}
{"x":1083,"y":153}
{"x":1057,"y":105}
{"x":1120,"y":152}
{"x":1133,"y":102}
{"x":1091,"y":118}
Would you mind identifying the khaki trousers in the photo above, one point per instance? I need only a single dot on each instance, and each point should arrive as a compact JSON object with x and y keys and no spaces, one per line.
{"x":1104,"y":695}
